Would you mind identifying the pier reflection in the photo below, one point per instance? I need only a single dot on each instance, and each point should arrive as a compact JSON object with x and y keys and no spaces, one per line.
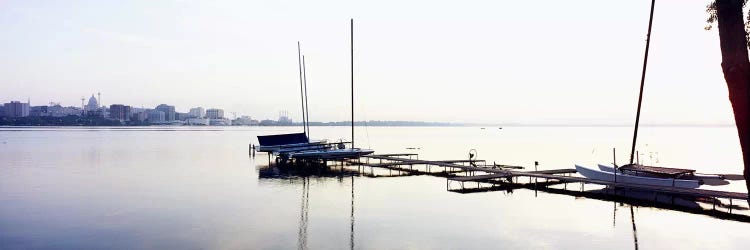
{"x":351,"y":220}
{"x":306,"y":173}
{"x":304,"y":209}
{"x":713,"y":207}
{"x":630,"y":197}
{"x":632,"y":221}
{"x":285,"y":171}
{"x":635,"y":232}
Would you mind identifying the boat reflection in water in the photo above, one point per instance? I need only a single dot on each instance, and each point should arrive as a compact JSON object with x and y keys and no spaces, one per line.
{"x":307,"y":172}
{"x":632,"y":221}
{"x":717,"y":208}
{"x":303,"y":215}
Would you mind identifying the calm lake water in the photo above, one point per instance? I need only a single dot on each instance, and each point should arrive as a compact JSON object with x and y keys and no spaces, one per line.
{"x":197,"y":188}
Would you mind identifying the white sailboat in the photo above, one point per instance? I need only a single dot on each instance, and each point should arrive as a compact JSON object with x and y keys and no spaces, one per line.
{"x":597,"y":174}
{"x":635,"y":172}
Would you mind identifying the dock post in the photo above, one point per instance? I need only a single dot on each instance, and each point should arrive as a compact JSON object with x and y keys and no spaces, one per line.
{"x":714,"y":203}
{"x":730,"y":205}
{"x":614,"y":162}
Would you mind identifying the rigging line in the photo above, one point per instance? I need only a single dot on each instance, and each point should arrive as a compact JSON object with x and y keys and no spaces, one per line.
{"x":643,"y":79}
{"x":367,"y":130}
{"x":307,"y":104}
{"x":301,"y":94}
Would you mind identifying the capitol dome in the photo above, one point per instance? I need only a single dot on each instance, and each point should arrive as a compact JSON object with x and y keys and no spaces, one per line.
{"x":93,"y":103}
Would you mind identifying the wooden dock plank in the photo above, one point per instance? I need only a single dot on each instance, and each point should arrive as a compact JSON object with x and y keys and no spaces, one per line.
{"x":479,"y":177}
{"x":502,"y":175}
{"x":390,"y":155}
{"x":386,"y":164}
{"x":554,"y":171}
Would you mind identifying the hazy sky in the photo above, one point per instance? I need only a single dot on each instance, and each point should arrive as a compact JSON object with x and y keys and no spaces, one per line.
{"x":457,"y":61}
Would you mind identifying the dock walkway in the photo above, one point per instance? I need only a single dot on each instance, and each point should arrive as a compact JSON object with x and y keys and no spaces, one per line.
{"x":561,"y":175}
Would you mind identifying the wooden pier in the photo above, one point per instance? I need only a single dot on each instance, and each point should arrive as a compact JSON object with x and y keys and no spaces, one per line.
{"x":497,"y":177}
{"x":478,"y":171}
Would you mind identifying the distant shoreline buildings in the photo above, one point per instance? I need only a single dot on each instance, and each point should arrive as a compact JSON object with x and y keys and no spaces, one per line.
{"x":162,"y":114}
{"x":94,"y":113}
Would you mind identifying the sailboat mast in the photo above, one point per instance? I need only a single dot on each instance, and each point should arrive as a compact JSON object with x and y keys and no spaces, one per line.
{"x":643,"y":78}
{"x":307,"y":104}
{"x":352,"y":71}
{"x":301,"y":93}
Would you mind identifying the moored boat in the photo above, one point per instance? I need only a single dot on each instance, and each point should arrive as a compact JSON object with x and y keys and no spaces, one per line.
{"x":332,"y":154}
{"x":634,"y":179}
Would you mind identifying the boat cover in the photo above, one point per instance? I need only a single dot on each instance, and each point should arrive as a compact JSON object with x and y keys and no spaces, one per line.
{"x":282,"y":139}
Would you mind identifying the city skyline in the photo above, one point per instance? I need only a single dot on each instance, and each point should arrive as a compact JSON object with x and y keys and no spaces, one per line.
{"x":284,"y":114}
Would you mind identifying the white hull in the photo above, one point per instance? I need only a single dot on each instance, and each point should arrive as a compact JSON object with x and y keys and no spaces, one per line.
{"x":610,"y":176}
{"x":332,"y":154}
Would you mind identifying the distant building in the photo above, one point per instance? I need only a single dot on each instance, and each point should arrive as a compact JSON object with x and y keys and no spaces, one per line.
{"x":219,"y":121}
{"x":140,"y":116}
{"x":156,"y":116}
{"x":181,"y":116}
{"x":95,"y":113}
{"x":56,"y":110}
{"x":197,"y":121}
{"x":243,"y":120}
{"x":93,"y":104}
{"x":214,"y":113}
{"x":169,"y":113}
{"x":59,"y":111}
{"x":16,"y":109}
{"x":138,"y":110}
{"x":39,"y":111}
{"x":197,"y":112}
{"x":267,"y":122}
{"x":284,"y":118}
{"x":120,"y":112}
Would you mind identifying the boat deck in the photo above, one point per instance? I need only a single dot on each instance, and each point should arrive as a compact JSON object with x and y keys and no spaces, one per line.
{"x":660,"y":171}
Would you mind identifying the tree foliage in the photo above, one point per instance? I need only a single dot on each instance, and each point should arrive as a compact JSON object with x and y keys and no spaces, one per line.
{"x":711,"y":11}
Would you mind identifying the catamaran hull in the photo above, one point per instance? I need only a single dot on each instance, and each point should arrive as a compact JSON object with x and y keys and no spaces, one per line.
{"x":610,"y":176}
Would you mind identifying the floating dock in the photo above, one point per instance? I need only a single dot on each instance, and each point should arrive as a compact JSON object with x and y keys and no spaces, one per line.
{"x":478,"y":171}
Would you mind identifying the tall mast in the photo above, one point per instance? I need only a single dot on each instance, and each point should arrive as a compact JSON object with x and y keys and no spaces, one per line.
{"x":352,"y":69}
{"x":307,"y":104}
{"x":643,"y":78}
{"x":301,"y":94}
